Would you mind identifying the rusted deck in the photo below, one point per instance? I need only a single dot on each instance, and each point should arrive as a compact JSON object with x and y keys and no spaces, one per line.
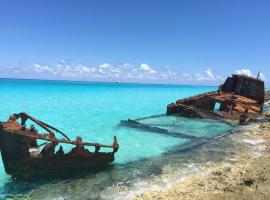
{"x":239,"y":98}
{"x":24,"y":158}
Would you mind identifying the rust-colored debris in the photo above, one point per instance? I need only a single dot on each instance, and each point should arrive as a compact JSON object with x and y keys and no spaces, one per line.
{"x":24,"y":158}
{"x":239,"y":98}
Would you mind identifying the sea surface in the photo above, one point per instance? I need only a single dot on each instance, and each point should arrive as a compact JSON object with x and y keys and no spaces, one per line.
{"x":145,"y":160}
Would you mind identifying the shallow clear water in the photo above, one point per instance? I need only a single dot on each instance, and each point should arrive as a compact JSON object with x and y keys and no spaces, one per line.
{"x":94,"y":111}
{"x":187,"y":126}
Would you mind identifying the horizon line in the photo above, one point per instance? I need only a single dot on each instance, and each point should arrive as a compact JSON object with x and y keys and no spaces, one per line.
{"x":89,"y":81}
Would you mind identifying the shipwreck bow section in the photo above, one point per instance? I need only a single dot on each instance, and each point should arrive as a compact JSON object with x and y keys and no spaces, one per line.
{"x":23,"y":158}
{"x":239,"y":98}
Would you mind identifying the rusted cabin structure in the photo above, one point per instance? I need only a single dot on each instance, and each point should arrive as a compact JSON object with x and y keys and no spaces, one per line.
{"x":238,"y":98}
{"x":23,"y":158}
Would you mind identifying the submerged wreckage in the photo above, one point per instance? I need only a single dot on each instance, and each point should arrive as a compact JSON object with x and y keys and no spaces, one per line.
{"x":239,"y":98}
{"x":22,"y":157}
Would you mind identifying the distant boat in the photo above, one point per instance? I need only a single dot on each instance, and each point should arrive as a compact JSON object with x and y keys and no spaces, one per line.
{"x":117,"y":81}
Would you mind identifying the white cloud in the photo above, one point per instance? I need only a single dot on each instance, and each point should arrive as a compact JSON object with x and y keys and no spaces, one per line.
{"x":168,"y":73}
{"x":126,"y":66}
{"x":65,"y":70}
{"x":42,"y":68}
{"x":206,"y":76}
{"x":210,"y":74}
{"x":116,"y":71}
{"x":63,"y":62}
{"x":125,"y":72}
{"x":105,"y":65}
{"x":246,"y":72}
{"x":81,"y":69}
{"x":262,"y":76}
{"x":147,"y":68}
{"x":101,"y":71}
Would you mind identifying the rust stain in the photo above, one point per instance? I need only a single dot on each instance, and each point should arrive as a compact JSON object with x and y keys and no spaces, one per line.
{"x":24,"y":158}
{"x":239,"y":98}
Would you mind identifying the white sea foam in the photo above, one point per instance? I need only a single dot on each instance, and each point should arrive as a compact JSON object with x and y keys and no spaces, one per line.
{"x":158,"y":183}
{"x":59,"y":198}
{"x":139,"y":188}
{"x":254,"y":141}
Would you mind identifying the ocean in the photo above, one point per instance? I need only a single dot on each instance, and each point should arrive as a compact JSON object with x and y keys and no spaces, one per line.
{"x":94,"y":111}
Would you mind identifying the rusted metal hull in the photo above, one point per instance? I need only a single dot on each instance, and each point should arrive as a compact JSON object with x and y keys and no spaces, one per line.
{"x":19,"y":161}
{"x":55,"y":167}
{"x":240,"y":97}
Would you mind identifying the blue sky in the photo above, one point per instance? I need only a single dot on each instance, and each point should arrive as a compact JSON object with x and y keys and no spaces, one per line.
{"x":183,"y":42}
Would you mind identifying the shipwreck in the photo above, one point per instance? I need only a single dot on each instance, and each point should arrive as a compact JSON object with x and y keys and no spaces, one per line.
{"x":23,"y":158}
{"x":240,"y":98}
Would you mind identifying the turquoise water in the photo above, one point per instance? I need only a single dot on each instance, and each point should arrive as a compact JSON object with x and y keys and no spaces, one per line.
{"x":94,"y":111}
{"x":186,"y":126}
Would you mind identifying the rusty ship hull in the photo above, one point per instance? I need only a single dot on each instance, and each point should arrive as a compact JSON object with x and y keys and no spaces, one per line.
{"x":17,"y":144}
{"x":239,"y":98}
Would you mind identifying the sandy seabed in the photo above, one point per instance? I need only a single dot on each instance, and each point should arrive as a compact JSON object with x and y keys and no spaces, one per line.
{"x":247,"y":178}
